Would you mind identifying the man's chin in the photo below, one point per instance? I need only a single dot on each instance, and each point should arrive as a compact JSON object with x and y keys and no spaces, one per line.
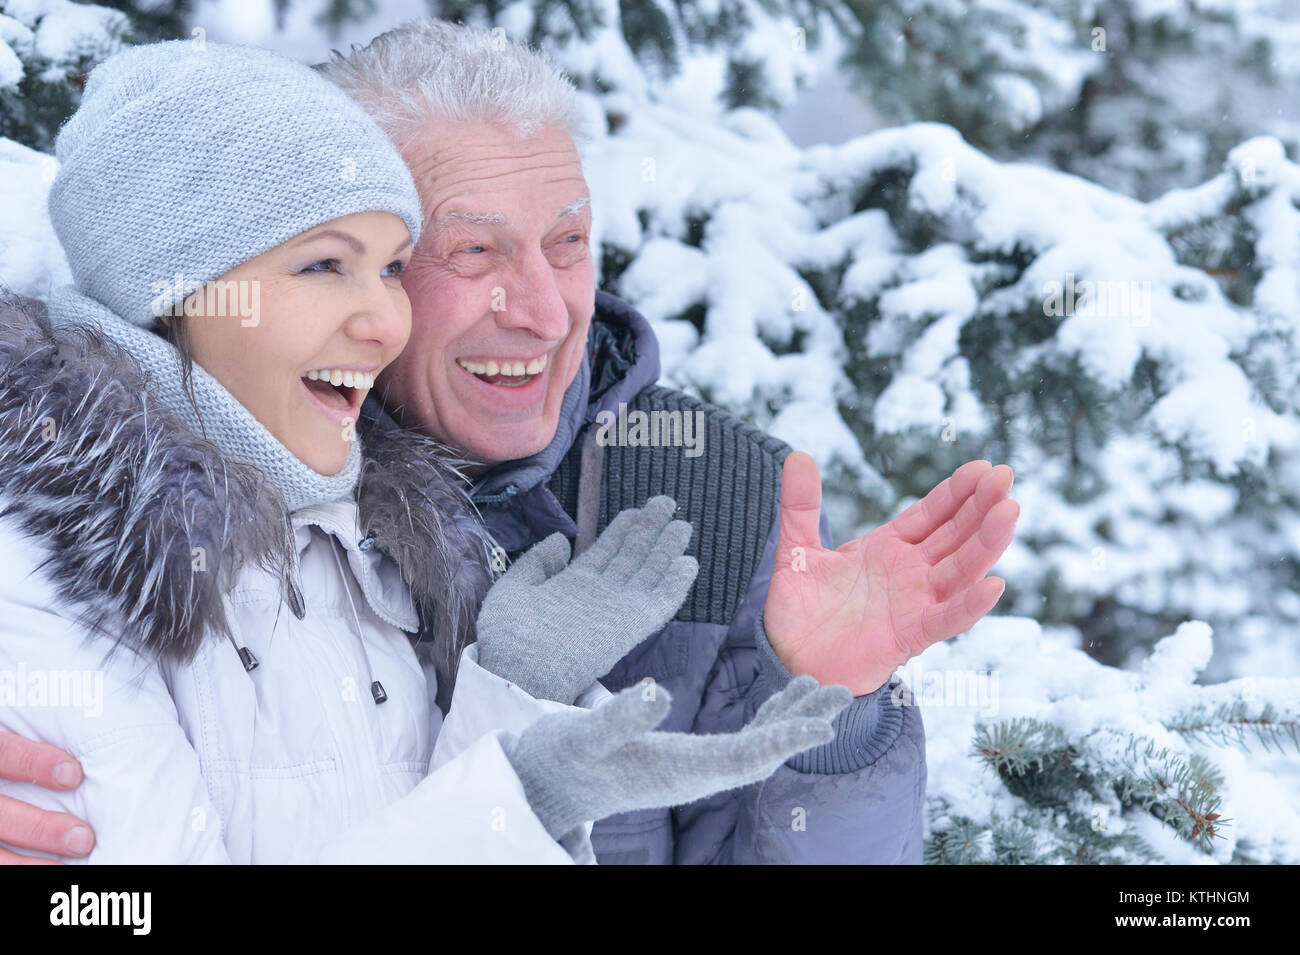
{"x":510,"y":447}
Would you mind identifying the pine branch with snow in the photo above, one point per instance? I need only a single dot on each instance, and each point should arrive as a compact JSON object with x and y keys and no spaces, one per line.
{"x":1038,"y":765}
{"x":1086,"y":764}
{"x":1238,"y":721}
{"x":1138,"y":97}
{"x":46,"y":48}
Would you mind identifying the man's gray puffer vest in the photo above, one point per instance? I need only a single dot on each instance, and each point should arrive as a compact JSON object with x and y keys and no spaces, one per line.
{"x":126,"y":495}
{"x":707,"y":657}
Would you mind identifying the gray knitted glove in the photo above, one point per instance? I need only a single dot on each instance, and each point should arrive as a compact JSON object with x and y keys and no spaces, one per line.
{"x":586,"y":765}
{"x":554,"y":630}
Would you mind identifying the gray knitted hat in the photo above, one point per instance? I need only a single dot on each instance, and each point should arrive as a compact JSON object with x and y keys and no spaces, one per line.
{"x":187,"y":160}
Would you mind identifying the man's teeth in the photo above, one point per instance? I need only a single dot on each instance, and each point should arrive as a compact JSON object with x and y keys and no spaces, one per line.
{"x":503,"y":367}
{"x":349,"y":379}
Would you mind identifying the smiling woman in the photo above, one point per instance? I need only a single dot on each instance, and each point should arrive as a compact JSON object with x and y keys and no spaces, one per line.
{"x":332,"y":315}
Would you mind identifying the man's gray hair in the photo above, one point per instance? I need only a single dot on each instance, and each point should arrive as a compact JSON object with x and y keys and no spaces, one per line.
{"x":432,"y":70}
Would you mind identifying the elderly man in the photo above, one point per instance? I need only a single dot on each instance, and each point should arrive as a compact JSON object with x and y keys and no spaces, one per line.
{"x":517,"y":360}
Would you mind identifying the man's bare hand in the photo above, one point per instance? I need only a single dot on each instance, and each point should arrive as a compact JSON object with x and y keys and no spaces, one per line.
{"x":27,"y":827}
{"x":855,"y":614}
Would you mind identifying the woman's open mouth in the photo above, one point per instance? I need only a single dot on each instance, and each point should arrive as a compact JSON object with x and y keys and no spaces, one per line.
{"x":338,"y":393}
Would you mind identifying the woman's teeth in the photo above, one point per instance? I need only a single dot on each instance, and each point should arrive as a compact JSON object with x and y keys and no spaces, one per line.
{"x":348,"y":379}
{"x":513,"y":369}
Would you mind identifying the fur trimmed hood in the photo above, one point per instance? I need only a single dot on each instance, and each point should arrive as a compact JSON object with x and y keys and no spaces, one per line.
{"x":124,"y":494}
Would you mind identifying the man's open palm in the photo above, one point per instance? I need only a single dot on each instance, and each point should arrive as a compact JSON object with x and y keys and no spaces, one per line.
{"x":855,"y":614}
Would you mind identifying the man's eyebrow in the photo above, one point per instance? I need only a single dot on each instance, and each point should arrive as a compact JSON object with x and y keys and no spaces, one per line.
{"x":499,"y":218}
{"x":573,"y":208}
{"x":353,"y":241}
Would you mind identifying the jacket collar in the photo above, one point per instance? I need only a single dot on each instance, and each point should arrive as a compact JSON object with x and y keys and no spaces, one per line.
{"x":625,"y":355}
{"x":377,"y":574}
{"x":148,"y":525}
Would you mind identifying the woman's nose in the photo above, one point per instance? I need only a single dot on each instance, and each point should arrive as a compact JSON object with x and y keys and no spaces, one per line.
{"x":381,"y":312}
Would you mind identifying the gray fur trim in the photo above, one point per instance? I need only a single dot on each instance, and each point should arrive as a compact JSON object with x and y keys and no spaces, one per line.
{"x":124,"y":495}
{"x":415,"y":502}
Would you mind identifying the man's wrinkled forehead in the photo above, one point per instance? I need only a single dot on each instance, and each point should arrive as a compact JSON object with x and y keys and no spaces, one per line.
{"x":500,"y":218}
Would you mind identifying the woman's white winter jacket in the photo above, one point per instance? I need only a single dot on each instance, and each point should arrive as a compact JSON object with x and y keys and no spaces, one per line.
{"x":143,"y":574}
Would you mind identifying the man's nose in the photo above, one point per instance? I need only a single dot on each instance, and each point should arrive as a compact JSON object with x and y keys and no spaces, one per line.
{"x":532,"y":300}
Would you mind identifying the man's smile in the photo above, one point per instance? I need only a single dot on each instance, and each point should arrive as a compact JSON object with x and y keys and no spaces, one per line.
{"x":506,"y":371}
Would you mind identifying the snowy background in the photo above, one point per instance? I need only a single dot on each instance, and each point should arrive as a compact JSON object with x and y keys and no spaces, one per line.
{"x":868,"y":230}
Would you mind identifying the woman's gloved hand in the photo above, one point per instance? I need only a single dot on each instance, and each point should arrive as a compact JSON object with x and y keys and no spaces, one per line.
{"x":588,"y":764}
{"x":553,"y":629}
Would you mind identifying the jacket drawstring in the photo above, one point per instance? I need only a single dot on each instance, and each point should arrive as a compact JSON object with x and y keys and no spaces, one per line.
{"x":296,"y":603}
{"x":245,"y":655}
{"x":376,"y":688}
